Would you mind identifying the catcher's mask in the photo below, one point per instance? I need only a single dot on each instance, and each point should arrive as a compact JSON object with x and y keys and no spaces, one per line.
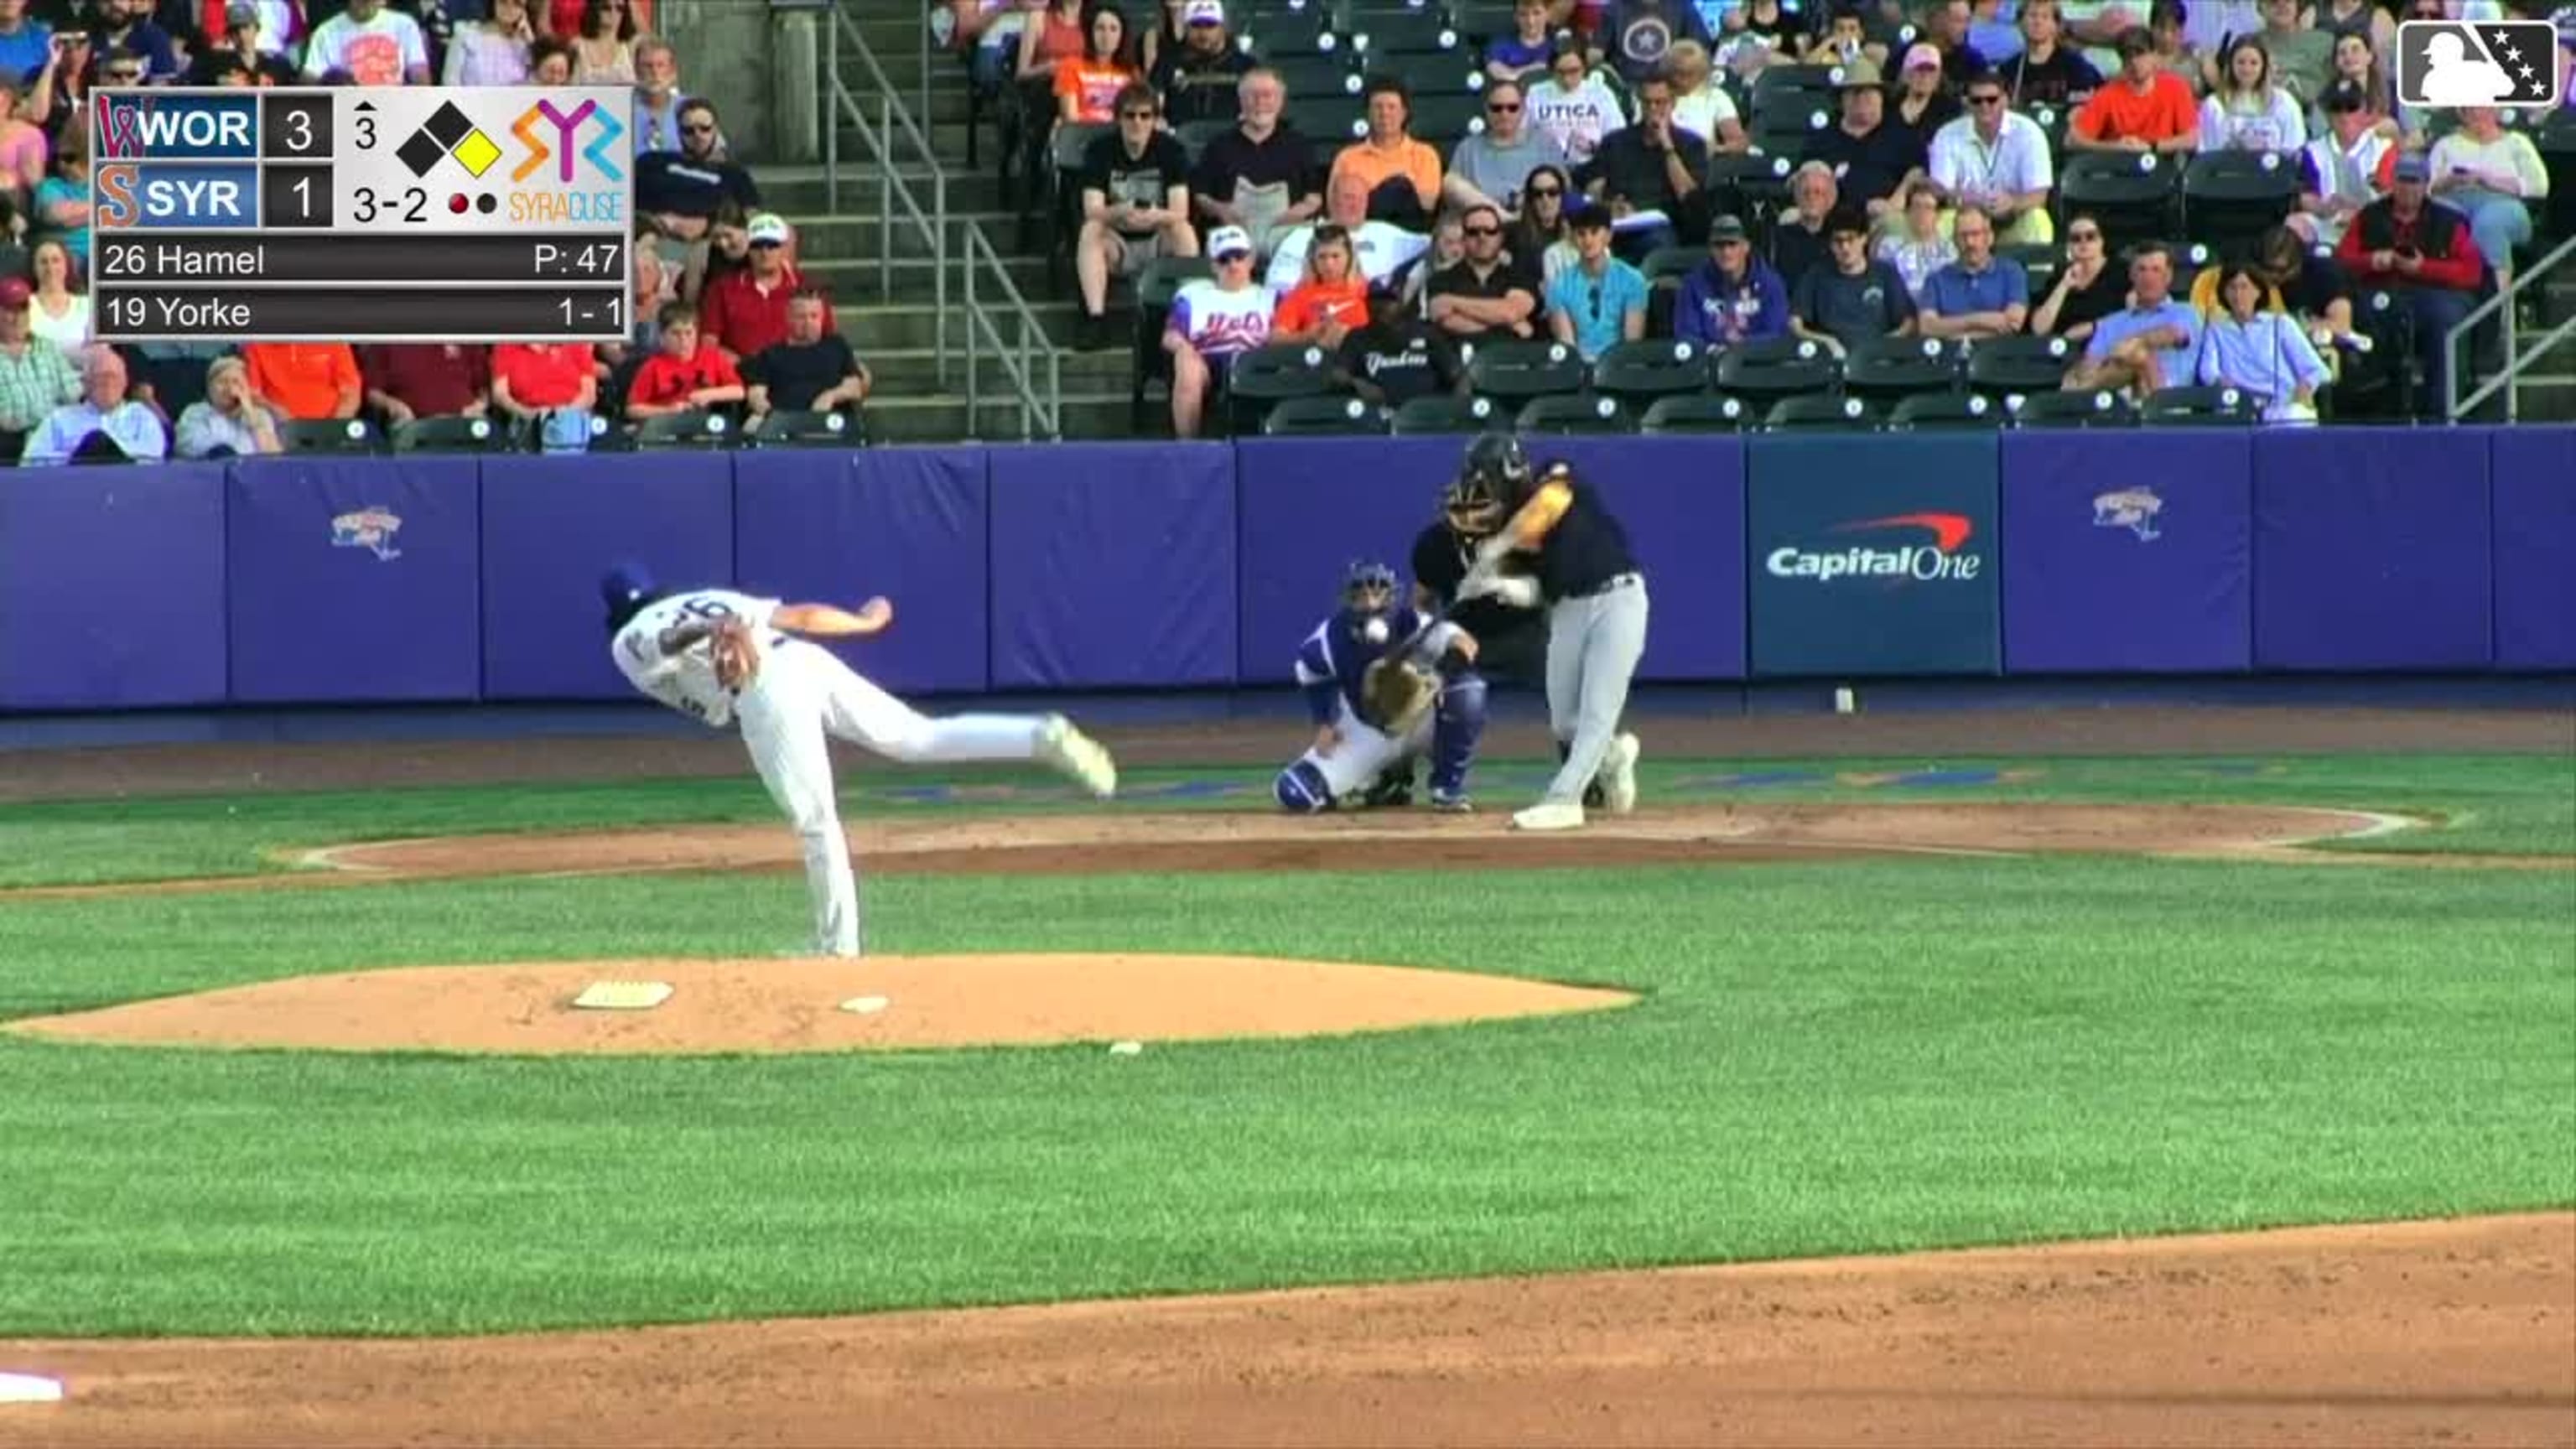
{"x":1474,"y":509}
{"x":626,"y":589}
{"x":1495,"y":475}
{"x":1368,"y":588}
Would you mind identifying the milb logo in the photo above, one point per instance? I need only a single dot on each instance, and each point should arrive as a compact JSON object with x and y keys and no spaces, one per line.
{"x":1941,"y":561}
{"x":449,"y":134}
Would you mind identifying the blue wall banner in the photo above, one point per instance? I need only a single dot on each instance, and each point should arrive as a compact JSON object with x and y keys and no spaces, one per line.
{"x":112,"y":587}
{"x":2371,"y":550}
{"x":2534,"y":474}
{"x":908,"y":523}
{"x":1681,"y":501}
{"x":552,"y":526}
{"x":1873,"y":554}
{"x":2131,"y":557}
{"x":1308,"y":506}
{"x":1113,"y":564}
{"x":355,"y":579}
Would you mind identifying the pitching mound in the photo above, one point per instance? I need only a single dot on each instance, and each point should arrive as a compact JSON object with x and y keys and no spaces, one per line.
{"x":797,"y":1005}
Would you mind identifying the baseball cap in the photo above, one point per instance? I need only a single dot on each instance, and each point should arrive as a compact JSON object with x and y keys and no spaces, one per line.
{"x":1727,"y":229}
{"x":1227,"y":241}
{"x":1203,"y":12}
{"x":1922,"y":57}
{"x":770,"y":228}
{"x":1861,"y":75}
{"x":14,"y":292}
{"x":2414,"y":166}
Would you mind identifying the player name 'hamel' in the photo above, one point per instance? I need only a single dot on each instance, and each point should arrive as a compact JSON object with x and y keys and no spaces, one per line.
{"x":246,"y":262}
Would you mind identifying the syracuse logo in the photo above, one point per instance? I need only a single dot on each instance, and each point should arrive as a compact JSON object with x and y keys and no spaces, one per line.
{"x":451,"y":134}
{"x":2134,"y":509}
{"x":1944,"y":560}
{"x":372,"y":529}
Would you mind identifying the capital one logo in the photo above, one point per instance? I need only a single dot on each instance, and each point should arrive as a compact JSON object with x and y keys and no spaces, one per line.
{"x":550,"y":134}
{"x":1945,"y":559}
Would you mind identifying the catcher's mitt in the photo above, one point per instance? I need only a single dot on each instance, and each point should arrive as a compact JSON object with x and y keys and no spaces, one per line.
{"x":735,"y":653}
{"x":1395,"y":693}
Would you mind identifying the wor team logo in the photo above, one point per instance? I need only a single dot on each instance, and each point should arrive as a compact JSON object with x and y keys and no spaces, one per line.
{"x":372,"y":529}
{"x":2134,"y":509}
{"x":2446,"y":64}
{"x":120,"y":126}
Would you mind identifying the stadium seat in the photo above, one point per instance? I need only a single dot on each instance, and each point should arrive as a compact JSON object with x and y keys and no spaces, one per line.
{"x":2202,"y":407}
{"x":1321,"y":417}
{"x":2133,"y":195}
{"x":2062,"y":409}
{"x":1195,"y":135}
{"x":1328,"y":121}
{"x":1816,"y":85}
{"x":1448,"y":413}
{"x":1639,"y":372}
{"x":2231,"y":197}
{"x":1576,"y":413}
{"x":801,"y":429}
{"x":1788,"y":134}
{"x":2040,"y":262}
{"x":450,"y":435}
{"x":1316,"y":75}
{"x":1063,"y":193}
{"x":1403,"y":40}
{"x":1697,"y":412}
{"x":1665,"y":267}
{"x":1279,"y":29}
{"x":1775,"y":368}
{"x":1928,"y":412}
{"x":1817,"y":412}
{"x":1482,"y":21}
{"x":2001,"y":367}
{"x":1883,"y":369}
{"x":1750,"y":185}
{"x":328,"y":435}
{"x":1265,"y":376}
{"x":1441,"y":121}
{"x":692,"y":429}
{"x":1511,"y":373}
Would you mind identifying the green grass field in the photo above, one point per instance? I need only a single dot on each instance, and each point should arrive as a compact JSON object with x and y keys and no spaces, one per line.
{"x":1827,"y":1058}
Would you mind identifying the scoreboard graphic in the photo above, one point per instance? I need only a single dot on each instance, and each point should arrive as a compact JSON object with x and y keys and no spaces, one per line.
{"x":396,"y":214}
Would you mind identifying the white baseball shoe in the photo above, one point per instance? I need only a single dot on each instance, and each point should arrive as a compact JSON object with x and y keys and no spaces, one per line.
{"x":1550,"y":815}
{"x":1078,"y":755}
{"x":1619,"y":774}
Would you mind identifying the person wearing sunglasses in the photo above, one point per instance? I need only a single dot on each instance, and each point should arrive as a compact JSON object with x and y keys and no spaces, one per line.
{"x":1600,"y":301}
{"x":1490,"y":168}
{"x":2088,"y":287}
{"x":681,"y":190}
{"x":1573,"y":105}
{"x":745,"y":312}
{"x":1997,"y":160}
{"x":1135,"y":190}
{"x":1537,"y":239}
{"x":1485,"y":293}
{"x":1213,"y":323}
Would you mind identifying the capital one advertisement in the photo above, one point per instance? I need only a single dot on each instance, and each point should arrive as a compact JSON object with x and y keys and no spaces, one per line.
{"x":1873,"y":555}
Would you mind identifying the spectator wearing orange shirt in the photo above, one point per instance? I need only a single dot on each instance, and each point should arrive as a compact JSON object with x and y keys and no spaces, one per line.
{"x":685,"y":374}
{"x":1402,"y":174}
{"x":746,"y":311}
{"x":1087,"y":85}
{"x":306,"y":381}
{"x":1332,"y":300}
{"x":2148,"y":108}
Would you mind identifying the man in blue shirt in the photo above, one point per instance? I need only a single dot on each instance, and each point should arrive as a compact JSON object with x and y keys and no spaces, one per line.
{"x":24,"y":43}
{"x":104,"y":425}
{"x":1600,"y":301}
{"x":1980,"y":294}
{"x":1732,"y":297}
{"x":2148,"y":344}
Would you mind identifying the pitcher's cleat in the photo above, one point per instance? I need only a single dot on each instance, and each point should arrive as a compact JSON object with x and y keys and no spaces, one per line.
{"x":1078,"y":755}
{"x":1619,"y":774}
{"x":1550,"y":815}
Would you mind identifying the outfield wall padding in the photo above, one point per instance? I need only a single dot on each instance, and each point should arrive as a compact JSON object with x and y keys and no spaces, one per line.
{"x":1141,"y":565}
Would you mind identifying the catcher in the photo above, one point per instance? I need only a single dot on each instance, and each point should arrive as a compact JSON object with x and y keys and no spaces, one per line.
{"x":1385,"y":685}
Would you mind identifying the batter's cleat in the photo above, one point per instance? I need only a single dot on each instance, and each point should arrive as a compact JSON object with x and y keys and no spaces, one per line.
{"x":1550,"y":815}
{"x":1618,"y":777}
{"x":1452,"y":804}
{"x":1079,"y":755}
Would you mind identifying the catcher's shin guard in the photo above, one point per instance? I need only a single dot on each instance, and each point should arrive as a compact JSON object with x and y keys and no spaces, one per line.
{"x":1302,"y":790}
{"x":1456,"y":726}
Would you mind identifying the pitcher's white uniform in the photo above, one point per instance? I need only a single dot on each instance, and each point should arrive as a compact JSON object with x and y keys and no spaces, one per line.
{"x":802,"y":694}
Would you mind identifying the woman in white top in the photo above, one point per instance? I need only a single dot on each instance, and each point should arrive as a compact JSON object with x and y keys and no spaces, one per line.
{"x":492,"y":52}
{"x":1573,"y":105}
{"x":2263,"y":352}
{"x":59,"y":314}
{"x":2488,"y":172}
{"x":1921,"y":248}
{"x":1700,"y":105}
{"x":2247,"y":112}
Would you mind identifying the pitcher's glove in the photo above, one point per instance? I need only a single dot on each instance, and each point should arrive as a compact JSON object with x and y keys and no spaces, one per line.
{"x":1395,"y":694}
{"x":736,"y":654}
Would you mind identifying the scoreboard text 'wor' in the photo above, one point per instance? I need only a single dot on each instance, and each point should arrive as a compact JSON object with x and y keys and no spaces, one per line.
{"x":176,"y":160}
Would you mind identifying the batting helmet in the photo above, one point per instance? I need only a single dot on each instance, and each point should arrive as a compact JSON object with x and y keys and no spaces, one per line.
{"x":626,"y":589}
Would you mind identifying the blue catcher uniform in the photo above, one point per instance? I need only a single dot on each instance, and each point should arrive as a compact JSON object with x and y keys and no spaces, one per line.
{"x":1332,"y":666}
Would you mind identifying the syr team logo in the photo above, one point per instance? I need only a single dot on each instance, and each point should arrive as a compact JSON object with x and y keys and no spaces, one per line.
{"x":2134,"y":509}
{"x":1945,"y":559}
{"x":547,"y":132}
{"x":372,"y":529}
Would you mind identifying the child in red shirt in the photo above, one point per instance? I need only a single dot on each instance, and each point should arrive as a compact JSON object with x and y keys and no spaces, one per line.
{"x":682,"y":375}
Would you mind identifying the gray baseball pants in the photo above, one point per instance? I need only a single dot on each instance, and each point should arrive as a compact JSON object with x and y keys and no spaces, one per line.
{"x":1593,"y":644}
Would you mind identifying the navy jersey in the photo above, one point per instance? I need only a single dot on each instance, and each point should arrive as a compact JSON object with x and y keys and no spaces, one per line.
{"x":1333,"y":662}
{"x":1586,"y":549}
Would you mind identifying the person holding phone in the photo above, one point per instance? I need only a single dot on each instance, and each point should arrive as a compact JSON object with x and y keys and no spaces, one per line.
{"x":2425,"y":256}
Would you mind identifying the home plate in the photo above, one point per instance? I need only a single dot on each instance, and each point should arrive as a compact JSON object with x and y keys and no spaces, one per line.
{"x":623,"y":995}
{"x":30,"y":1389}
{"x":865,"y":1005}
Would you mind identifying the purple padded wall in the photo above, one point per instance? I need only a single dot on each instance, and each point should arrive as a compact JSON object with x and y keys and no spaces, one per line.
{"x":2371,"y":550}
{"x":2534,"y":474}
{"x":112,"y":587}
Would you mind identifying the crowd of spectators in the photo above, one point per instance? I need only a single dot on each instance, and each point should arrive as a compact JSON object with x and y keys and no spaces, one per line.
{"x":1917,"y":156}
{"x":723,"y":318}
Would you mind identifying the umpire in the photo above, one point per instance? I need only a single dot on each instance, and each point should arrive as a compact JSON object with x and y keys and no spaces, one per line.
{"x":1595,"y":595}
